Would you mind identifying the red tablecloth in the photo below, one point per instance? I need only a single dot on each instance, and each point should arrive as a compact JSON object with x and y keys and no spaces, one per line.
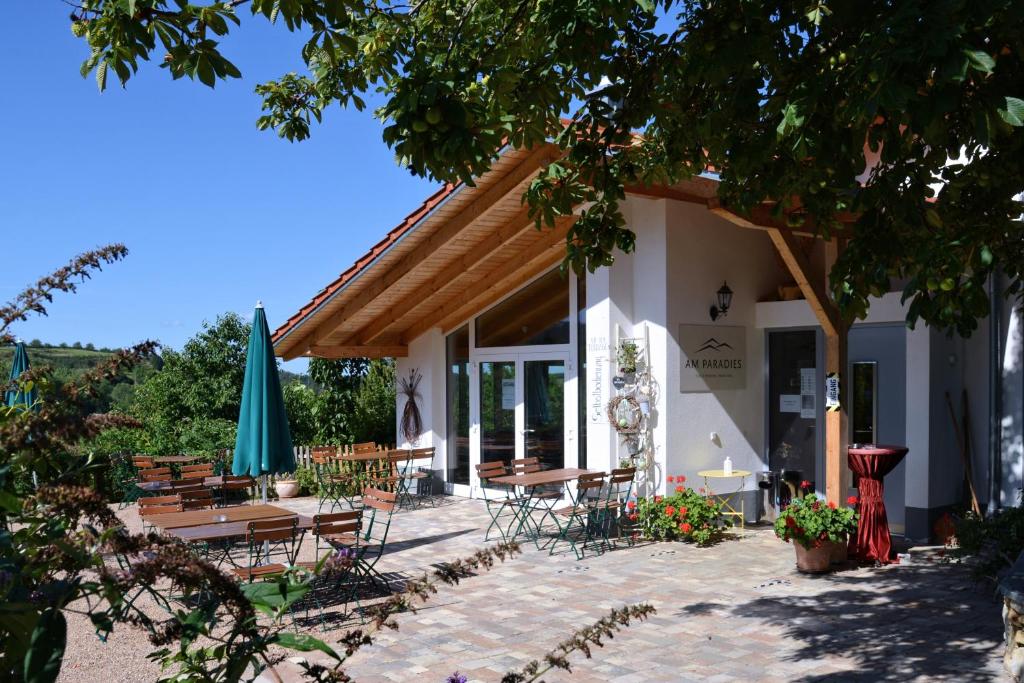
{"x":873,"y":540}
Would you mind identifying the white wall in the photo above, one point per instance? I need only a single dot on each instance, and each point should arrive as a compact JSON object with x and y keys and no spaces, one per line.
{"x":426,"y":354}
{"x":702,"y":250}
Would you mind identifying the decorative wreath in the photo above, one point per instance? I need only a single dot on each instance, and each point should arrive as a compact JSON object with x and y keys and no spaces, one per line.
{"x":624,"y":414}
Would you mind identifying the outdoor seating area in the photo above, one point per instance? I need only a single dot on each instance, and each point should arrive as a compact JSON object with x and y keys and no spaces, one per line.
{"x":737,"y":609}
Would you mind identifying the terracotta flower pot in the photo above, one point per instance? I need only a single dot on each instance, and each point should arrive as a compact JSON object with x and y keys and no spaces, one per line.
{"x":286,"y":488}
{"x":813,"y":560}
{"x":838,"y":551}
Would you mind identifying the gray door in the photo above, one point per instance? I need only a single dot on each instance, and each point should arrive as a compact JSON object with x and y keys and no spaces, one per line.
{"x":886,"y":347}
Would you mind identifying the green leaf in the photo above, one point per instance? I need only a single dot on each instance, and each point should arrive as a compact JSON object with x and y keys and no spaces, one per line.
{"x":46,"y":650}
{"x":980,"y":60}
{"x":101,"y":76}
{"x":304,"y":643}
{"x":1014,"y":112}
{"x":986,"y":256}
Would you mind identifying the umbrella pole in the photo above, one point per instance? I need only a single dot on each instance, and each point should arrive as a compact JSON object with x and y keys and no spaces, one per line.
{"x":266,"y":544}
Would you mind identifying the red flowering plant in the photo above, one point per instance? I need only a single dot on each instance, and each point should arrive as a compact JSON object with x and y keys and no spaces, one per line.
{"x":681,"y":515}
{"x":810,"y":521}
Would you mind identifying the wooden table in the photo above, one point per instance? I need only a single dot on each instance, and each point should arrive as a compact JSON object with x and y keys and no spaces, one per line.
{"x":541,"y":478}
{"x":224,"y":530}
{"x":235,"y":513}
{"x":530,"y":483}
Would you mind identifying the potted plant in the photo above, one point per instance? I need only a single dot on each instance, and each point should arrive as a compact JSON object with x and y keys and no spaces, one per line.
{"x":627,"y":356}
{"x":287,"y":487}
{"x":819,"y":531}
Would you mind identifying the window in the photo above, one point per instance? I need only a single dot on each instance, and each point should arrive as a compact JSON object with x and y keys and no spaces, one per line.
{"x":536,"y":314}
{"x":457,"y":391}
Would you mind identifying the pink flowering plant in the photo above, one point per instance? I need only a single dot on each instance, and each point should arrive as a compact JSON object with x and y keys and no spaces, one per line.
{"x":810,"y":521}
{"x":683,"y":515}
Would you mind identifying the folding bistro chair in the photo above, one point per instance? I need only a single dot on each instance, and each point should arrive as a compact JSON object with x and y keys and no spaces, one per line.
{"x":131,"y":484}
{"x":613,"y":512}
{"x":197,"y":499}
{"x":155,"y":474}
{"x":419,"y":470}
{"x":380,"y":505}
{"x":328,"y":476}
{"x":506,"y":508}
{"x":273,"y":544}
{"x":393,"y":475}
{"x":232,"y":483}
{"x":199,"y":471}
{"x":538,"y":498}
{"x":157,"y":505}
{"x":578,"y":521}
{"x":333,"y":532}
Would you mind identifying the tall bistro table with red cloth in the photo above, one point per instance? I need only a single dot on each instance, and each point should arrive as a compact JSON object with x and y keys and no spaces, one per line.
{"x":871,"y":463}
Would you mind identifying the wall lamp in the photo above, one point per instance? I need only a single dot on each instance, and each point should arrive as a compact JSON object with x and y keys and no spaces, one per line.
{"x":724,"y":295}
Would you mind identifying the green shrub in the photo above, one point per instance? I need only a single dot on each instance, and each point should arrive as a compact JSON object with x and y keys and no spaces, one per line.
{"x":684,"y":515}
{"x":306,"y":476}
{"x":992,"y":544}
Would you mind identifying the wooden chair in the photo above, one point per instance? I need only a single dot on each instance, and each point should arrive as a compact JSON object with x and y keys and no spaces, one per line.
{"x":155,"y":474}
{"x":581,"y":517}
{"x":364,"y":447}
{"x":180,"y":485}
{"x":197,"y":499}
{"x":157,"y":505}
{"x":506,"y":506}
{"x":143,"y":462}
{"x":613,"y":510}
{"x":334,"y":532}
{"x":419,"y":470}
{"x":270,"y":539}
{"x":198,"y":471}
{"x":380,"y":506}
{"x":232,"y":483}
{"x":328,"y":476}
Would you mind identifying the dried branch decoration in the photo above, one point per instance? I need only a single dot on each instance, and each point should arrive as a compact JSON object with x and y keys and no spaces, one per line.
{"x":412,"y":423}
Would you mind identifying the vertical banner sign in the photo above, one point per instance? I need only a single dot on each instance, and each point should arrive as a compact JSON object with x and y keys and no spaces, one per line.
{"x":832,"y":392}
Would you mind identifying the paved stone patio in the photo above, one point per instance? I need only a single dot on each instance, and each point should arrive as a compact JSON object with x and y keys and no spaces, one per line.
{"x":738,"y":611}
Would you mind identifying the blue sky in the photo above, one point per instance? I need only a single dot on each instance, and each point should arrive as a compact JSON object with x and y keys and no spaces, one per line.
{"x":215,"y":213}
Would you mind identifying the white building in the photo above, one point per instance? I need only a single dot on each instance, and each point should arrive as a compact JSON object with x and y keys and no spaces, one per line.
{"x":519,"y":360}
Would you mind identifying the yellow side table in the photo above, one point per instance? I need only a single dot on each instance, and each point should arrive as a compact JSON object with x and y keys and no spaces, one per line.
{"x":723,"y":498}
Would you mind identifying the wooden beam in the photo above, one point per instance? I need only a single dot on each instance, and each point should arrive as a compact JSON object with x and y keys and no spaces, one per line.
{"x":499,"y":281}
{"x":762,"y":217}
{"x":813,"y":288}
{"x":477,"y":208}
{"x":465,"y":266}
{"x":330,"y":351}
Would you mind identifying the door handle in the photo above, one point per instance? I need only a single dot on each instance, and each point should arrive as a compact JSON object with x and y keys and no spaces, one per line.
{"x":528,"y":431}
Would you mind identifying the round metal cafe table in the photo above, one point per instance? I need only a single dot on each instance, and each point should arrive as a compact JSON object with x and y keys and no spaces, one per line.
{"x":723,"y":498}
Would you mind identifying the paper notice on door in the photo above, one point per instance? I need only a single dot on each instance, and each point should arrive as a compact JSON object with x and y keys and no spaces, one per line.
{"x":807,"y":408}
{"x":807,"y":381}
{"x":508,"y":394}
{"x":789,"y":403}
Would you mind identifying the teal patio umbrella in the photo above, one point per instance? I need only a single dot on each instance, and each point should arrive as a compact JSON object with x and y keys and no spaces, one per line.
{"x":264,"y":443}
{"x":19,"y":364}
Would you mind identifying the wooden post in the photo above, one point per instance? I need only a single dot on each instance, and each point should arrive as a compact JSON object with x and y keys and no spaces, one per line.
{"x":837,"y":471}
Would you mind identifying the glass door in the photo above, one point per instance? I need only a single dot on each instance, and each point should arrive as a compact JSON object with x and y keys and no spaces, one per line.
{"x":793,"y":438}
{"x":544,"y":398}
{"x":499,"y":397}
{"x":522,"y":408}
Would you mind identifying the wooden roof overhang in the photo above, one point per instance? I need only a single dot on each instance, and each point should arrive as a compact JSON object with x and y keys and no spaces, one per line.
{"x":463,"y":250}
